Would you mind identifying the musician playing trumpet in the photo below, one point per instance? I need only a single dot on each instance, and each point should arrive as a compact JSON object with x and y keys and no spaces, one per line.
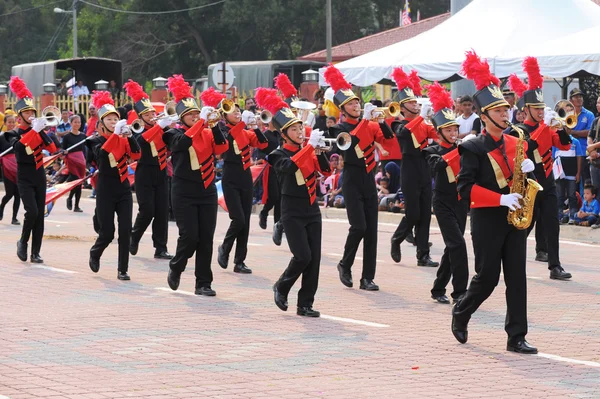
{"x":110,"y":151}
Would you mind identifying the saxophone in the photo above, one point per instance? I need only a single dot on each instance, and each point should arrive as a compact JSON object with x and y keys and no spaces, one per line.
{"x":528,"y":188}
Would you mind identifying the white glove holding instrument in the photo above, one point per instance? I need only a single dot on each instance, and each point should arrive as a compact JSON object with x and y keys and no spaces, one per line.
{"x":550,"y":117}
{"x":247,"y":116}
{"x":368,"y":111}
{"x":164,"y":122}
{"x":527,"y":166}
{"x":120,"y":127}
{"x":38,"y":124}
{"x":511,"y":201}
{"x":316,"y":138}
{"x":205,"y":113}
{"x":426,"y":111}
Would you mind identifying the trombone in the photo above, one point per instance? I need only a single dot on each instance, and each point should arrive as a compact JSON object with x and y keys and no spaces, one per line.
{"x":343,"y":141}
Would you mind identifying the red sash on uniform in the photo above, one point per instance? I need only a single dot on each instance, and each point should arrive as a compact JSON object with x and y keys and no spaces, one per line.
{"x":452,"y":158}
{"x":366,"y":143}
{"x":159,"y":149}
{"x":34,"y":145}
{"x":392,"y":146}
{"x":307,"y":163}
{"x":201,"y":152}
{"x":118,"y":149}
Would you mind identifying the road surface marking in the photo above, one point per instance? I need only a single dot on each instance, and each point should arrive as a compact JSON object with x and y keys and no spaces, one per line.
{"x":166,"y":289}
{"x":54,"y":269}
{"x":353,"y":321}
{"x":568,"y":360}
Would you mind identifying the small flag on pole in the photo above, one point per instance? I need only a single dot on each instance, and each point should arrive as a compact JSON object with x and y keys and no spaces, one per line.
{"x":406,"y":14}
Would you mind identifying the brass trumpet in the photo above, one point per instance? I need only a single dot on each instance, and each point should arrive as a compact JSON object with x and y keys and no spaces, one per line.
{"x":393,"y":109}
{"x":265,"y":116}
{"x":226,"y":106}
{"x":137,"y":126}
{"x":52,"y":115}
{"x":343,"y":142}
{"x":169,"y":112}
{"x":566,"y":115}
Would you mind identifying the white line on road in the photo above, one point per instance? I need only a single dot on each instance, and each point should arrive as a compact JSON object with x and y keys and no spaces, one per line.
{"x":353,"y":321}
{"x":568,"y":360}
{"x":56,"y":221}
{"x":54,"y":269}
{"x":340,"y":255}
{"x":165,"y":289}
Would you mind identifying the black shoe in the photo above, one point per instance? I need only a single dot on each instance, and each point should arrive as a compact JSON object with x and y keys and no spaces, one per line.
{"x":396,"y":252}
{"x":345,"y":276}
{"x":94,"y":264}
{"x":77,"y":209}
{"x":277,"y":233}
{"x":163,"y":255}
{"x":558,"y":273}
{"x":262,"y":221}
{"x":173,"y":278}
{"x":521,"y":346}
{"x":15,"y":222}
{"x":69,"y":203}
{"x":459,"y":330}
{"x":280,"y":299}
{"x":426,"y":261}
{"x":541,"y":256}
{"x":242,"y":269}
{"x":123,"y":276}
{"x":133,"y":247}
{"x":36,"y":258}
{"x":368,"y":285}
{"x":206,"y":291}
{"x":441,"y":299}
{"x":222,"y":257}
{"x":307,"y":311}
{"x":22,"y":250}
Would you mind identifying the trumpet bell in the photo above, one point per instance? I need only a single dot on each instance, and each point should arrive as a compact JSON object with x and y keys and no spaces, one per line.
{"x":566,"y":113}
{"x":227,"y":106}
{"x":137,"y":126}
{"x":52,"y":115}
{"x":343,"y":141}
{"x":265,"y":117}
{"x":394,"y":109}
{"x":170,"y":109}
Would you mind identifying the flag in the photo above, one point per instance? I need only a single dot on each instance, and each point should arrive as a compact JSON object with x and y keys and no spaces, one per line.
{"x":256,"y":171}
{"x":58,"y":190}
{"x":405,"y":20}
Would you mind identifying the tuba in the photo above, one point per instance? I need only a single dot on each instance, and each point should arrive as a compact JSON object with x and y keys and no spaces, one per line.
{"x":527,"y":188}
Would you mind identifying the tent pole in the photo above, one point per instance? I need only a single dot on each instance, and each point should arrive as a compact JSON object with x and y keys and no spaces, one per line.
{"x":328,"y":31}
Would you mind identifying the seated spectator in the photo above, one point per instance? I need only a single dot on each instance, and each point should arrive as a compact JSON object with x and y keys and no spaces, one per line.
{"x":392,"y":176}
{"x":588,"y":214}
{"x":335,"y":196}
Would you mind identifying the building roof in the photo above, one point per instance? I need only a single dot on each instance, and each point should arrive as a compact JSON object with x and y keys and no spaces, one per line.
{"x":376,"y":41}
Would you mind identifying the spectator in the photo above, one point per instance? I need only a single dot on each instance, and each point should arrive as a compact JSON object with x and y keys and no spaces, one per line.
{"x":588,"y":214}
{"x":392,"y":175}
{"x":570,"y":161}
{"x":509,"y":97}
{"x":64,"y":126}
{"x":466,"y":120}
{"x":321,"y":118}
{"x":336,"y":198}
{"x":582,"y":130}
{"x":593,"y":141}
{"x":598,"y":106}
{"x":250,"y":104}
{"x":80,"y":90}
{"x":113,"y":89}
{"x":61,"y":88}
{"x":331,"y":121}
{"x":92,"y":121}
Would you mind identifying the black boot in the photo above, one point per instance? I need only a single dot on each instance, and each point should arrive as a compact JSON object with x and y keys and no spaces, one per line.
{"x":15,"y":221}
{"x":541,"y":256}
{"x":521,"y":346}
{"x":396,"y":252}
{"x":222,"y":257}
{"x":36,"y":258}
{"x":262,"y":220}
{"x":163,"y":255}
{"x":22,"y":250}
{"x":277,"y":233}
{"x":427,"y":262}
{"x":2,"y":209}
{"x":558,"y":273}
{"x":94,"y":264}
{"x":368,"y":285}
{"x":345,"y":276}
{"x":459,"y":329}
{"x":123,"y":276}
{"x":307,"y":311}
{"x":280,"y":299}
{"x":133,"y":247}
{"x":242,"y":269}
{"x":205,"y":291}
{"x":173,"y":279}
{"x":69,"y":203}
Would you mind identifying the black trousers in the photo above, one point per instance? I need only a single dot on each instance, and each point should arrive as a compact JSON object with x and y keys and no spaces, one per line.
{"x":196,"y":220}
{"x":107,"y":204}
{"x":151,"y":191}
{"x":304,"y":239}
{"x":452,"y":219}
{"x":273,"y":199}
{"x":501,"y":244}
{"x":11,"y":190}
{"x":417,"y":192}
{"x":547,"y":227}
{"x":239,"y":205}
{"x":360,"y":197}
{"x":32,"y":188}
{"x":76,"y":192}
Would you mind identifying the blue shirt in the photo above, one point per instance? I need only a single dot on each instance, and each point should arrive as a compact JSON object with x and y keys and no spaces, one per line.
{"x":584,"y":122}
{"x":593,"y":207}
{"x":568,"y":158}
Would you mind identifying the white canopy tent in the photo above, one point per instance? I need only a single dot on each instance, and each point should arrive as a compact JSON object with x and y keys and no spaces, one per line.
{"x":561,"y":33}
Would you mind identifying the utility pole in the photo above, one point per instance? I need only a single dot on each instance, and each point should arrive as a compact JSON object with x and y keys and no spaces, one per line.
{"x":328,"y":31}
{"x":74,"y":12}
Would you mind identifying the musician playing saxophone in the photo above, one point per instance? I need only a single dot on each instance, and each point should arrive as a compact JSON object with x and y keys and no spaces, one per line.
{"x":485,"y":178}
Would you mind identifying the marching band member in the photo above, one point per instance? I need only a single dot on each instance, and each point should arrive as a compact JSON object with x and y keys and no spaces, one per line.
{"x":450,"y":210}
{"x":414,"y":135}
{"x":237,"y":186}
{"x":358,"y":186}
{"x":297,"y":167}
{"x":28,"y":141}
{"x":150,"y":175}
{"x":487,"y":165}
{"x":545,"y":216}
{"x":9,"y":172}
{"x":74,"y":159}
{"x":194,"y":193}
{"x":110,"y":151}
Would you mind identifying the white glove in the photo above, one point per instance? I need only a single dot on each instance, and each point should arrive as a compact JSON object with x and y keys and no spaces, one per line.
{"x":247,"y":116}
{"x":527,"y":166}
{"x":426,"y":110}
{"x":468,"y":137}
{"x":368,"y":111}
{"x":38,"y":124}
{"x":511,"y":201}
{"x":120,"y":126}
{"x":205,"y":113}
{"x":316,"y":138}
{"x":164,"y":122}
{"x":550,"y":117}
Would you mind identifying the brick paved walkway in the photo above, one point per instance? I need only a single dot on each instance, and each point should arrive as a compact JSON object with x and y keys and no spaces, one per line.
{"x":68,"y":333}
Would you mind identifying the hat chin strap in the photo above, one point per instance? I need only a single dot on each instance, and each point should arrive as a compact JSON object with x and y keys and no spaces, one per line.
{"x":531,"y":115}
{"x":409,"y":111}
{"x":444,"y":137}
{"x":290,"y":139}
{"x":493,"y":121}
{"x":106,"y":127}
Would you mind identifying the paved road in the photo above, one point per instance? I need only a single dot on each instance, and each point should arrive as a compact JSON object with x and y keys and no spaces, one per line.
{"x":67,"y":332}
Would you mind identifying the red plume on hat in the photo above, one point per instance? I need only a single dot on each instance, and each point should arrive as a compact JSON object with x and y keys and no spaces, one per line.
{"x":415,"y":82}
{"x":282,"y":82}
{"x":270,"y":101}
{"x":19,"y":88}
{"x":179,"y":87}
{"x":101,"y":98}
{"x":439,"y":96}
{"x":478,"y":71}
{"x":516,"y":85}
{"x":211,"y":98}
{"x":135,"y":91}
{"x":401,"y":78}
{"x":534,"y":77}
{"x":336,"y":79}
{"x":262,"y":93}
